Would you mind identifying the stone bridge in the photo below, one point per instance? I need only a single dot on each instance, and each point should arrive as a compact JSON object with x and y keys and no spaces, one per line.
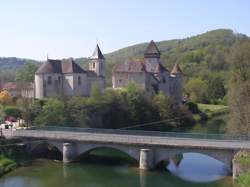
{"x":148,"y":148}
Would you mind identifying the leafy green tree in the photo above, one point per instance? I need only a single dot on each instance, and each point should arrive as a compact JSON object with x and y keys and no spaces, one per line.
{"x":12,"y":111}
{"x":216,"y":89}
{"x":164,"y":106}
{"x":196,"y":89}
{"x":52,"y":113}
{"x":95,"y":92}
{"x":139,"y":106}
{"x":75,"y":108}
{"x":26,"y":73}
{"x":239,"y":92}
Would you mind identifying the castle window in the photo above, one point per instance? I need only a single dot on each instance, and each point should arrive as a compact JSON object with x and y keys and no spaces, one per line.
{"x":49,"y":80}
{"x":79,"y":80}
{"x":93,"y":65}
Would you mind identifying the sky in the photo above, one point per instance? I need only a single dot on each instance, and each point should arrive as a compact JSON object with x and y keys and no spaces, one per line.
{"x":71,"y":28}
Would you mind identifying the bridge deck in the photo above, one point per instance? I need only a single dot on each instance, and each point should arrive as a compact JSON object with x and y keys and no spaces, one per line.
{"x":149,"y":140}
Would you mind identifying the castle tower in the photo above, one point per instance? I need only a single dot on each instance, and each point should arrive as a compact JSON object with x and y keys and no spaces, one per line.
{"x":176,"y":82}
{"x":152,"y":53}
{"x":97,"y":62}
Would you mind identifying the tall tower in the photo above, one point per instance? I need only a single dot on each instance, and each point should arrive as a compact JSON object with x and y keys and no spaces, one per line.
{"x":97,"y":62}
{"x":152,"y":53}
{"x":176,"y":83}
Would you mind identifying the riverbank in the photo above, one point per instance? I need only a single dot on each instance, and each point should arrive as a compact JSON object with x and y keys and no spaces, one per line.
{"x":11,"y":155}
{"x":242,"y":168}
{"x":6,"y":165}
{"x":213,"y":110}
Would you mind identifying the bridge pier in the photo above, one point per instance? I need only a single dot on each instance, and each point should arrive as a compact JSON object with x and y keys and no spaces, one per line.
{"x":69,"y":152}
{"x":147,"y":159}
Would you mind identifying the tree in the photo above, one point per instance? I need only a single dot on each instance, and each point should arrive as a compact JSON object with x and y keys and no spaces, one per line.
{"x":216,"y":89}
{"x":5,"y":97}
{"x":26,"y":73}
{"x":12,"y":111}
{"x":52,"y":113}
{"x":25,"y":107}
{"x":164,"y":106}
{"x":239,"y":92}
{"x":95,"y":92}
{"x":75,"y":111}
{"x":196,"y":89}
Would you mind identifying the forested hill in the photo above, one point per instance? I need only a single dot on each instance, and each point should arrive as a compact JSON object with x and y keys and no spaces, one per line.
{"x":206,"y":51}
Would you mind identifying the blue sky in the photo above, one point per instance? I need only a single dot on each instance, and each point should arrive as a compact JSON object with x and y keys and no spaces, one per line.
{"x":71,"y":28}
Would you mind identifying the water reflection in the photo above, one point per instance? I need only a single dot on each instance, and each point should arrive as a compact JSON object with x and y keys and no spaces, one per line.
{"x":196,"y":167}
{"x":47,"y":173}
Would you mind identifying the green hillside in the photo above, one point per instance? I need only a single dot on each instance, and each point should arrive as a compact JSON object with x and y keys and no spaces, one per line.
{"x":205,"y":52}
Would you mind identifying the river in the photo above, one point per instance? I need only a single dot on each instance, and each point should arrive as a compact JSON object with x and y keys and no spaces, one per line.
{"x":190,"y":170}
{"x":205,"y":172}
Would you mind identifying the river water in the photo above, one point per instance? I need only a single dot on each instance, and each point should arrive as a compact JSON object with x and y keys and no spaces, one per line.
{"x":48,"y":173}
{"x":191,"y":170}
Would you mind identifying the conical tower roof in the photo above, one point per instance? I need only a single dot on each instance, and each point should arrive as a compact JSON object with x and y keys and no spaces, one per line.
{"x":97,"y":54}
{"x":176,"y":69}
{"x":152,"y":50}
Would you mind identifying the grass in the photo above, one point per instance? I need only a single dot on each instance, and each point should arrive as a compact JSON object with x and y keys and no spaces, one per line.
{"x":243,"y":158}
{"x":212,"y":108}
{"x":244,"y":180}
{"x":6,"y":165}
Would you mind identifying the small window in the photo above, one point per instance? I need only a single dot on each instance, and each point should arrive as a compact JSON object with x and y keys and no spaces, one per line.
{"x":49,"y":80}
{"x":79,"y":80}
{"x":93,"y":65}
{"x":120,"y":80}
{"x":59,"y":80}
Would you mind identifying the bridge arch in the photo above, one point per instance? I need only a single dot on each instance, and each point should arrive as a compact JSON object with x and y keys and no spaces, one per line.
{"x":222,"y":155}
{"x":37,"y":147}
{"x":87,"y":148}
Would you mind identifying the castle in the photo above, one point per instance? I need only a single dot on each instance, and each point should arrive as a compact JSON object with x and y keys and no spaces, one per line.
{"x":150,"y":74}
{"x":67,"y":78}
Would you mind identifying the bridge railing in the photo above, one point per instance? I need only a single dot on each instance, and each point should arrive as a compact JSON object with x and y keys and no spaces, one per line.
{"x":146,"y":133}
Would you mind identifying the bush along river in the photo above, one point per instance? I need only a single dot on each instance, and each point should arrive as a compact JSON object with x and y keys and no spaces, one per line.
{"x":111,"y":168}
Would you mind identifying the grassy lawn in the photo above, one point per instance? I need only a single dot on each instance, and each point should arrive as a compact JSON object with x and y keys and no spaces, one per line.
{"x":212,"y":108}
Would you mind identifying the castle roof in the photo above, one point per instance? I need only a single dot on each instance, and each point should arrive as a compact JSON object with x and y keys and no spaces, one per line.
{"x":130,"y":66}
{"x":69,"y":66}
{"x":97,"y":54}
{"x":155,"y":67}
{"x":139,"y":66}
{"x":60,"y":66}
{"x":176,"y":69}
{"x":152,"y":50}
